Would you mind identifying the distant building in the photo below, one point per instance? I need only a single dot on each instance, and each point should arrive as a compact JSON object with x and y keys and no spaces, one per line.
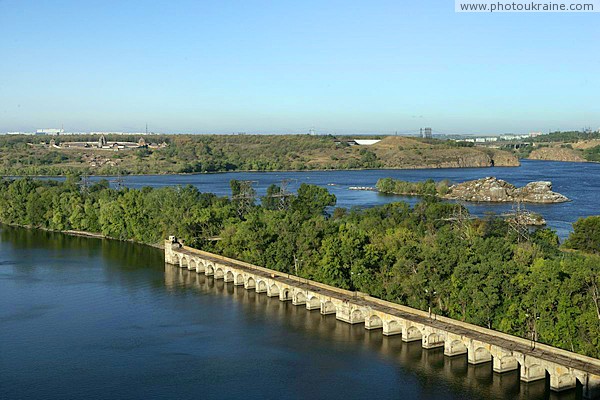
{"x":50,"y":131}
{"x":426,"y":133}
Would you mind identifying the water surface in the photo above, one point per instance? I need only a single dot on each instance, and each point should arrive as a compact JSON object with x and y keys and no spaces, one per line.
{"x":578,"y":181}
{"x":91,"y":318}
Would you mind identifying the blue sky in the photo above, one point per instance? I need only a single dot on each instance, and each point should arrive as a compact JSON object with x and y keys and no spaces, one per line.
{"x":286,"y":66}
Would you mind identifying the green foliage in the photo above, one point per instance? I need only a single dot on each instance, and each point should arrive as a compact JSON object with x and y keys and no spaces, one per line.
{"x":592,"y":154}
{"x":426,"y":188}
{"x":476,"y":271}
{"x":585,"y":235}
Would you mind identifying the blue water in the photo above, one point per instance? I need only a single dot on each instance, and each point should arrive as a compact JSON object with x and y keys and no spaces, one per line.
{"x":94,"y":319}
{"x":578,"y":181}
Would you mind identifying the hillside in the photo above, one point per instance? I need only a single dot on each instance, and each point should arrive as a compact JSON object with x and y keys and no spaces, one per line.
{"x":26,"y":155}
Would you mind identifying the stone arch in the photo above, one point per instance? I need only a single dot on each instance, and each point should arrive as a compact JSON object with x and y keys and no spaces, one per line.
{"x":327,"y":307}
{"x":299,"y":299}
{"x":356,"y":316}
{"x":480,"y":355}
{"x":373,"y":322}
{"x":313,"y":303}
{"x":393,"y":327}
{"x":454,"y":348}
{"x":250,"y":283}
{"x":239,"y":280}
{"x":261,"y":287}
{"x":210,"y":269}
{"x":200,"y":266}
{"x":433,"y":339}
{"x":183,"y":262}
{"x":228,"y":276}
{"x":192,"y":264}
{"x":219,"y":274}
{"x":273,"y":290}
{"x":412,"y":334}
{"x":285,"y":295}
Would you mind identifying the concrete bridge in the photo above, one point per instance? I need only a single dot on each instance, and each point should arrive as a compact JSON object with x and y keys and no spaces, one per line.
{"x":535,"y":361}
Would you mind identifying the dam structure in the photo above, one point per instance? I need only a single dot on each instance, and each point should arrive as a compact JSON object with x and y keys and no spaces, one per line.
{"x":535,"y":361}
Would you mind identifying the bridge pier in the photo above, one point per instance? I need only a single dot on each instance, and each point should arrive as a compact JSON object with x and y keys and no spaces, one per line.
{"x":532,"y":372}
{"x":504,"y":363}
{"x":327,"y":307}
{"x":313,"y":303}
{"x":411,"y":333}
{"x":373,"y":322}
{"x":392,"y":327}
{"x":432,"y":339}
{"x":477,"y":353}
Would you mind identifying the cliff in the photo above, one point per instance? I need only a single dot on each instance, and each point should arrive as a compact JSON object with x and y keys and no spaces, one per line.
{"x":402,"y":152}
{"x":491,"y":189}
{"x":557,"y":154}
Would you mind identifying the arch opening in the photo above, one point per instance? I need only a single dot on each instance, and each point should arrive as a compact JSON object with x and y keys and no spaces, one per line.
{"x":219,"y":273}
{"x":327,"y":307}
{"x":228,"y":276}
{"x":273,"y":291}
{"x":183,"y":262}
{"x":210,"y":270}
{"x":250,"y":283}
{"x":285,"y":295}
{"x":300,"y":299}
{"x":261,"y":287}
{"x":239,"y":280}
{"x":199,"y":266}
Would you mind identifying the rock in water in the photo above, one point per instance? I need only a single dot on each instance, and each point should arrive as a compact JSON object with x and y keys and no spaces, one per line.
{"x":492,"y":189}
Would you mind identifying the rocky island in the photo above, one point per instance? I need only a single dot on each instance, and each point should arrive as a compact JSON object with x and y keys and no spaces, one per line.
{"x":492,"y":189}
{"x":488,"y":189}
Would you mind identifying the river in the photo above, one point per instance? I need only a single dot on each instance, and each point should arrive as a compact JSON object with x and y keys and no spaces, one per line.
{"x":578,"y":181}
{"x":96,"y":319}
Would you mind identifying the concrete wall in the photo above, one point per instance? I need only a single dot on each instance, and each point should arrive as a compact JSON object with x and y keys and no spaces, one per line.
{"x":480,"y":345}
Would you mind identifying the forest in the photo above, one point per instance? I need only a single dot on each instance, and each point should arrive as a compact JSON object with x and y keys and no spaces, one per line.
{"x":475,"y":270}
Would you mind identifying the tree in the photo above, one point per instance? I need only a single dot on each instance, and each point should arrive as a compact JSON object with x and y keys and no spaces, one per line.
{"x":585,"y":235}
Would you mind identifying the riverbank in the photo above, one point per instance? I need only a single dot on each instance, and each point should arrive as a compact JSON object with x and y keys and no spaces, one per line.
{"x":91,"y":235}
{"x":222,"y":153}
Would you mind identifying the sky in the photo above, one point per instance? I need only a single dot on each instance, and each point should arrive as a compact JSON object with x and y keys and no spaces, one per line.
{"x":288,"y":66}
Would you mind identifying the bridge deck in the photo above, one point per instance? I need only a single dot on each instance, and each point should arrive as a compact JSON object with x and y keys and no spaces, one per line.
{"x":591,"y":367}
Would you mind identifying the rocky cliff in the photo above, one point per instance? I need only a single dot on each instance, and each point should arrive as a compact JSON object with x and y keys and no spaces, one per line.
{"x":497,"y":190}
{"x":557,"y":154}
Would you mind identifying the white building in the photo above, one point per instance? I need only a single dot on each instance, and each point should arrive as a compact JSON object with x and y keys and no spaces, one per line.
{"x":49,"y":131}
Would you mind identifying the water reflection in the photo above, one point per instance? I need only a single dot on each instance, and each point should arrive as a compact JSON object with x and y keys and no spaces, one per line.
{"x":427,"y":366}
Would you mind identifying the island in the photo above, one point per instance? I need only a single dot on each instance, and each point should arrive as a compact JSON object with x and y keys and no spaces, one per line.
{"x":489,"y":189}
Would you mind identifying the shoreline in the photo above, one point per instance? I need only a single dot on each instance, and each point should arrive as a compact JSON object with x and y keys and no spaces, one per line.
{"x":84,"y":234}
{"x":275,"y":171}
